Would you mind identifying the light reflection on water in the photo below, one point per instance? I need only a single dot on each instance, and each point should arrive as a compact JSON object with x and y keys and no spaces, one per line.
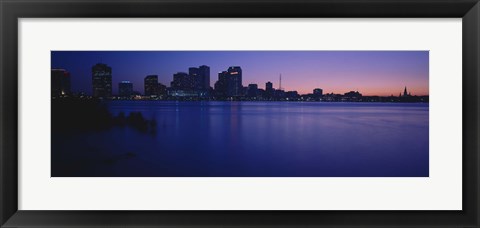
{"x":257,"y":139}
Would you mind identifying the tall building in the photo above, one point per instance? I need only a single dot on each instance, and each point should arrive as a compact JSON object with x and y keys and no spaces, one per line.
{"x":201,"y":77}
{"x":318,"y":92}
{"x":162,"y":89}
{"x":183,"y":85}
{"x":222,"y":84}
{"x":102,"y":80}
{"x":150,"y":84}
{"x":125,"y":89}
{"x":182,"y":81}
{"x":60,"y":82}
{"x":252,"y":90}
{"x":194,"y":73}
{"x":204,"y":72}
{"x":268,"y":86}
{"x":269,"y":91}
{"x":235,"y":86}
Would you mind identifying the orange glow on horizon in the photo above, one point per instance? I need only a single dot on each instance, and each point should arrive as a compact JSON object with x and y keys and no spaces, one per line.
{"x":383,"y":92}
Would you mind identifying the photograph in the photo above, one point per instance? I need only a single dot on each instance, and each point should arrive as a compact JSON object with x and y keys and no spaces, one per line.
{"x":240,"y":113}
{"x":277,"y":113}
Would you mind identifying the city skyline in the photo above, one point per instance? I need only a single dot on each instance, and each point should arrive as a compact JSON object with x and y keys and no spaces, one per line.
{"x":380,"y":73}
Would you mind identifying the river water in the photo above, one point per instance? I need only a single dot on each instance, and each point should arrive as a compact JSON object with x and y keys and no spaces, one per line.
{"x":254,"y":139}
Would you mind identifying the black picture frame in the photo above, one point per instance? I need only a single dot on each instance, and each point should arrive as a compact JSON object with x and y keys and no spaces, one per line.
{"x":12,"y":10}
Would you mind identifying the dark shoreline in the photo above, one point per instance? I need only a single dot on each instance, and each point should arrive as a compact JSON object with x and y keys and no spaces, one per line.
{"x":72,"y":114}
{"x":423,"y":99}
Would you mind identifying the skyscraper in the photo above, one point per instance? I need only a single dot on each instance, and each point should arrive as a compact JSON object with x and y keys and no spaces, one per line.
{"x":125,"y":89}
{"x":235,"y":86}
{"x":252,"y":90}
{"x":221,"y":84}
{"x":150,"y":84}
{"x":182,"y":81}
{"x":60,"y":79}
{"x":268,"y":86}
{"x":269,"y":91}
{"x":102,"y":80}
{"x":201,"y":77}
{"x":193,"y":72}
{"x":204,"y":72}
{"x":162,"y":89}
{"x":183,"y":85}
{"x":317,"y":92}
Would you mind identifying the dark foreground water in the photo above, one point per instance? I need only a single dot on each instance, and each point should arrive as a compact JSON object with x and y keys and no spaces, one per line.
{"x":254,"y":139}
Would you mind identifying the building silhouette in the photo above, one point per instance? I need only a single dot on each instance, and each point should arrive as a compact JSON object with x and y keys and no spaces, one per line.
{"x":201,"y":78}
{"x":405,"y":94}
{"x":229,"y":83}
{"x":279,"y":94}
{"x":317,"y":92}
{"x":234,"y":81}
{"x":195,"y":85}
{"x":183,"y":85}
{"x":102,"y":80}
{"x":162,"y":89}
{"x":125,"y":89}
{"x":292,"y":95}
{"x":269,"y":91}
{"x":182,"y":81}
{"x":252,"y":90}
{"x":60,"y":82}
{"x":150,"y":84}
{"x":268,"y":86}
{"x":352,"y":94}
{"x":222,"y":84}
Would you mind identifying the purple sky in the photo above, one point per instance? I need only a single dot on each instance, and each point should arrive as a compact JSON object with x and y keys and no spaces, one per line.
{"x":370,"y":72}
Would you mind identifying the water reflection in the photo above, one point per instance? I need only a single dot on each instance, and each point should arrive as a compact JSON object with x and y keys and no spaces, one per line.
{"x":264,"y":139}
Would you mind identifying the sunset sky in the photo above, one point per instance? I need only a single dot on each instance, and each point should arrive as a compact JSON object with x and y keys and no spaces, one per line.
{"x":382,"y":73}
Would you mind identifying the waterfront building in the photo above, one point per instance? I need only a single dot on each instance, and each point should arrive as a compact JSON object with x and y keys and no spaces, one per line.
{"x":60,"y":82}
{"x":229,"y":83}
{"x":181,"y":93}
{"x":201,"y":77}
{"x":183,"y":85}
{"x":268,"y":86}
{"x":252,"y":90}
{"x":317,"y":92}
{"x":102,"y":80}
{"x":269,"y":91}
{"x":125,"y":89}
{"x":162,"y":89}
{"x":150,"y":84}
{"x":405,"y":94}
{"x":292,"y":95}
{"x":221,"y":84}
{"x":352,"y":96}
{"x":182,"y":81}
{"x":279,"y":94}
{"x":261,"y":93}
{"x":234,"y":85}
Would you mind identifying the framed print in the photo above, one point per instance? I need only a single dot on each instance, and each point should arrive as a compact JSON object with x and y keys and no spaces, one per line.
{"x":226,"y":113}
